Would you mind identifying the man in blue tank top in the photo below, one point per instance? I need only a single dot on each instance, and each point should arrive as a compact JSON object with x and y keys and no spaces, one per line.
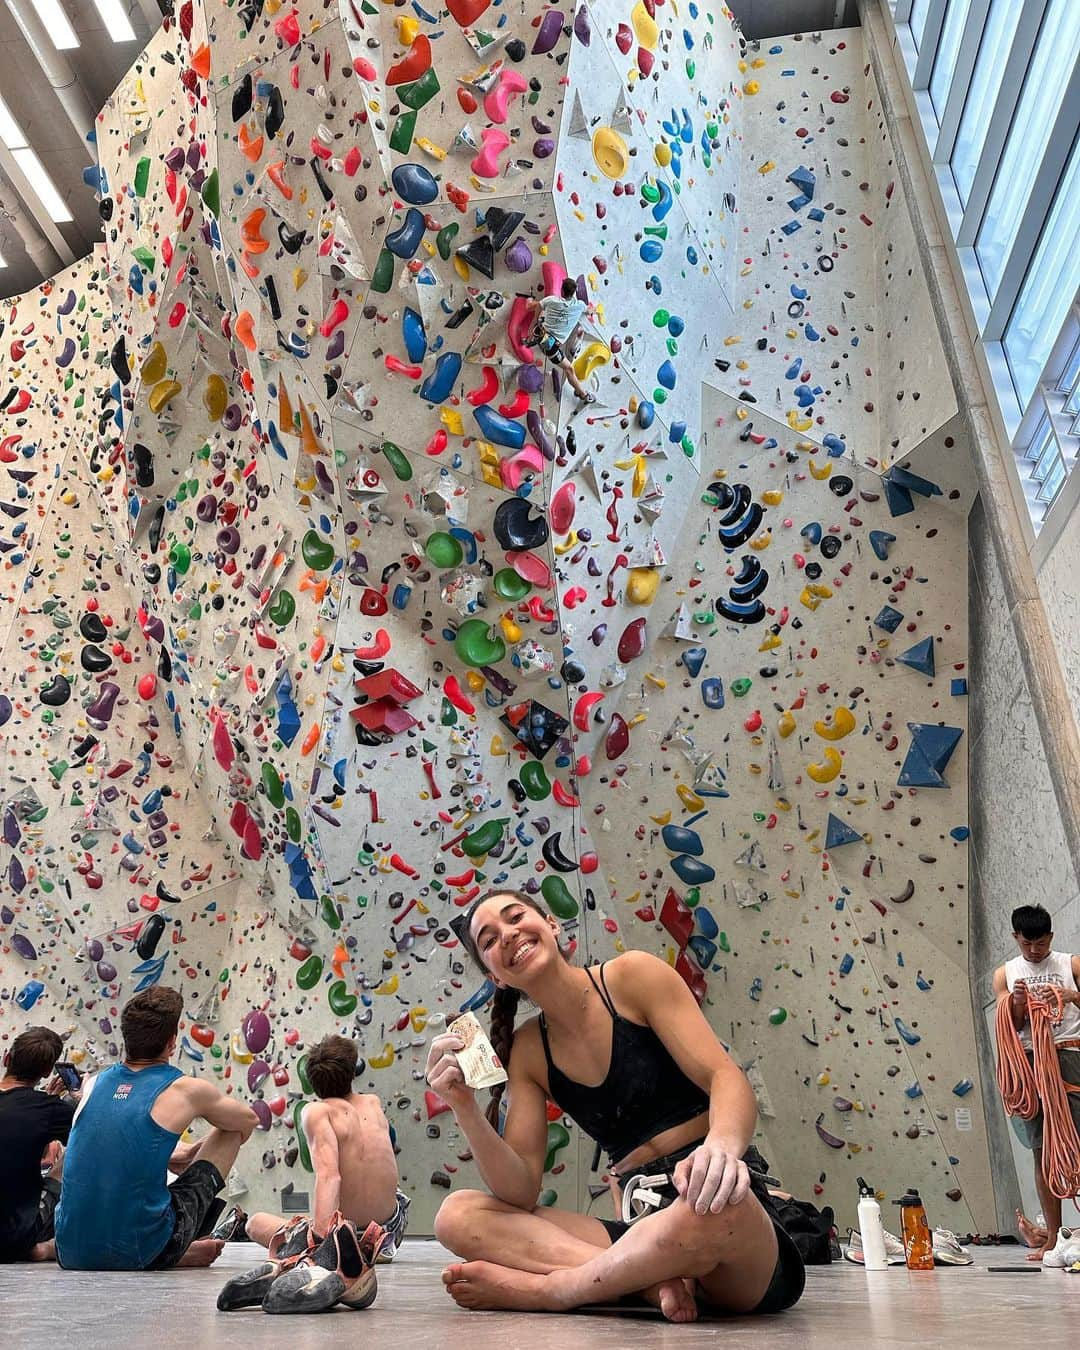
{"x":117,"y":1211}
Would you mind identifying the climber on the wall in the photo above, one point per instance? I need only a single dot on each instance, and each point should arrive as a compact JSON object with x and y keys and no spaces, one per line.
{"x":116,"y":1211}
{"x":30,"y":1123}
{"x":557,"y":322}
{"x":623,"y":1049}
{"x":1038,"y":965}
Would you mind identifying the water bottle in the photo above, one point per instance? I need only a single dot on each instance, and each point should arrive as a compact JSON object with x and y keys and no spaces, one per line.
{"x":870,"y":1229}
{"x":918,"y":1244}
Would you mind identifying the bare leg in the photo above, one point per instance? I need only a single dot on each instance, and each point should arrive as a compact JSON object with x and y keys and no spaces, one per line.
{"x":219,"y":1147}
{"x":1051,"y":1208}
{"x":202,"y":1252}
{"x":475,"y":1225}
{"x":262,"y":1227}
{"x":567,"y":368}
{"x":732,"y":1255}
{"x":44,"y":1251}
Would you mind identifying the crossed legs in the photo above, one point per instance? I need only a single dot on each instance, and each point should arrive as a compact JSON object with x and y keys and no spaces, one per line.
{"x":552,"y":1261}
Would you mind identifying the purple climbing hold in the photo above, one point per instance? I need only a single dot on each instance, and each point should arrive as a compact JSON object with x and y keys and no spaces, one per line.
{"x":256,"y":1031}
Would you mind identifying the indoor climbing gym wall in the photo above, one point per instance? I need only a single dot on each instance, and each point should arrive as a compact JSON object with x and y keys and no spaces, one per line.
{"x":326,"y":604}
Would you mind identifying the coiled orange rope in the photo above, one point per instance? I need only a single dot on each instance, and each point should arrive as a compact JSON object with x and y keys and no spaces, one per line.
{"x":1025,"y":1086}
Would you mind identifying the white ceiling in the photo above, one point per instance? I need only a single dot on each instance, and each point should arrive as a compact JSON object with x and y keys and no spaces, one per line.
{"x":98,"y":65}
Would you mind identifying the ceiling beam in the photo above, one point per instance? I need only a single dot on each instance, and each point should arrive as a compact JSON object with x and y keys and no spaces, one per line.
{"x":151,"y":13}
{"x":43,"y":221}
{"x":56,"y":68}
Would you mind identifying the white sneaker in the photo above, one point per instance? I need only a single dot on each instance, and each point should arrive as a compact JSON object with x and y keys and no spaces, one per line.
{"x":1065,"y":1250}
{"x":947,"y":1249}
{"x":894,"y":1248}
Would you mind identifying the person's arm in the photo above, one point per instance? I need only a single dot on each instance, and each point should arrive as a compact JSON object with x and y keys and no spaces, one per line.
{"x":323,"y":1146}
{"x":1018,"y":1008}
{"x":714,"y":1175}
{"x":1071,"y":997}
{"x":511,"y":1165}
{"x":189,"y":1098}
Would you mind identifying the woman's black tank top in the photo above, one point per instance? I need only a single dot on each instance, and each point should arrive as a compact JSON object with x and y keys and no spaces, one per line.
{"x":643,"y":1094}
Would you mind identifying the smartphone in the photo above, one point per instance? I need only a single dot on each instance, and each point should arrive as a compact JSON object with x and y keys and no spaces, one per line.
{"x":69,"y":1076}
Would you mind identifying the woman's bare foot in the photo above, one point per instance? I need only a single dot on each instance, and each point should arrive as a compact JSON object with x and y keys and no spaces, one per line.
{"x":483,"y":1285}
{"x":44,"y":1251}
{"x":675,"y":1299}
{"x":202,"y":1252}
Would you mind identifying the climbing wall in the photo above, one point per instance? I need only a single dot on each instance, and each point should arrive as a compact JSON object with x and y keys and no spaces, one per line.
{"x":326,"y":605}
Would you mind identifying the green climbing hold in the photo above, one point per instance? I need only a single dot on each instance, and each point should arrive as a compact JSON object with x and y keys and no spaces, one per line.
{"x":211,"y":193}
{"x":443,"y":549}
{"x":535,"y":781}
{"x":445,"y":238}
{"x":559,"y":899}
{"x":342,"y":1003}
{"x":509,"y":586}
{"x":483,"y":840}
{"x":282,"y":610}
{"x":309,"y":975}
{"x":660,"y":318}
{"x":302,"y":1074}
{"x":421,"y":91}
{"x":272,"y":783}
{"x":401,"y":138}
{"x":558,"y":1136}
{"x":301,"y":1138}
{"x":329,"y":912}
{"x":142,"y":176}
{"x":383,"y":276}
{"x":476,"y":645}
{"x":741,"y":687}
{"x":292,"y":823}
{"x":777,"y":1016}
{"x":319,"y":553}
{"x":398,"y":461}
{"x":180,"y":558}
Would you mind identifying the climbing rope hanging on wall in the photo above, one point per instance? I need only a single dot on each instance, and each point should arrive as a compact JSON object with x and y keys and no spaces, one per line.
{"x":1025,"y":1084}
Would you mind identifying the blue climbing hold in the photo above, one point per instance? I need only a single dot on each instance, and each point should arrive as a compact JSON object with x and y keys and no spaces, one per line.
{"x":931,"y":749}
{"x":838,"y":832}
{"x":414,"y":184}
{"x":920,"y":657}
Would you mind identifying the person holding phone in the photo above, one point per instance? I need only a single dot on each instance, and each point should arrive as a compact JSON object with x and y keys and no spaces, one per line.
{"x":31,"y":1124}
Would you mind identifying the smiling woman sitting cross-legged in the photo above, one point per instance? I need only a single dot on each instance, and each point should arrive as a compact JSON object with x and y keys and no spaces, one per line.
{"x":624,"y":1050}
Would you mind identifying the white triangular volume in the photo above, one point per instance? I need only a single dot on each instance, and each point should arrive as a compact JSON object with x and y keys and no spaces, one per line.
{"x":680,"y":627}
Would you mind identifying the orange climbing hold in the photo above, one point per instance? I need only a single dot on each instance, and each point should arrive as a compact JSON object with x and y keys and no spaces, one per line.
{"x":244,"y":328}
{"x":414,"y":65}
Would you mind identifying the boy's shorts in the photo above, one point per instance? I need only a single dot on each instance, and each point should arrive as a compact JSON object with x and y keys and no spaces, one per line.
{"x":194,"y":1202}
{"x":1030,"y":1132}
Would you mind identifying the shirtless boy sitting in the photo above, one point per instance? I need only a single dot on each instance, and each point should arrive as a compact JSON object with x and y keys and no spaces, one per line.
{"x":349,"y":1140}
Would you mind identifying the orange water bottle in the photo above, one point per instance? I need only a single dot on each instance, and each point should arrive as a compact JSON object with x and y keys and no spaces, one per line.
{"x":918,"y":1243}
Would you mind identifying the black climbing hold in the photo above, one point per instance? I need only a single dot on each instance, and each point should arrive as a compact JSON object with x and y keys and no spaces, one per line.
{"x":831,"y":545}
{"x":92,"y":628}
{"x":501,"y":224}
{"x":144,"y":465}
{"x":275,"y":112}
{"x":94,"y":660}
{"x":841,"y":485}
{"x":151,"y":935}
{"x":57,"y":692}
{"x":480,"y":254}
{"x":516,"y":526}
{"x":241,"y":99}
{"x":119,"y":362}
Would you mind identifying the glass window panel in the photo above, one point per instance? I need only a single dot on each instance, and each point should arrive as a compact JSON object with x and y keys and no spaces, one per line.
{"x":919,"y":11}
{"x":983,"y":91}
{"x":952,"y":31}
{"x":1049,"y":287}
{"x":1052,"y":486}
{"x":1029,"y":133}
{"x":1070,"y":381}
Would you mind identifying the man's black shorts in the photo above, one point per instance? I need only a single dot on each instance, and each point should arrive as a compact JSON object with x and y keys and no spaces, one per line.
{"x":193,"y":1196}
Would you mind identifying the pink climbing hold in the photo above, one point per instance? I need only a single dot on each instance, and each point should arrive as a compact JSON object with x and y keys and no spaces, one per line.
{"x":486,"y":163}
{"x":563,"y":506}
{"x":496,"y":100}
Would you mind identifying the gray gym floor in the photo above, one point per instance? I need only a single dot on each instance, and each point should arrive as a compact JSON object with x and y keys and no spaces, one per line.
{"x":44,"y":1308}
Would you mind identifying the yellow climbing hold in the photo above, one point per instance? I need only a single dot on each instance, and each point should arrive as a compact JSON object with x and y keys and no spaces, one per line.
{"x":155,"y":365}
{"x":646,"y":29}
{"x":786,"y":725}
{"x":642,"y":584}
{"x":835,"y":728}
{"x":610,"y":152}
{"x":162,"y":395}
{"x":772,"y":497}
{"x":385,"y":1059}
{"x":820,"y":472}
{"x":389,"y":986}
{"x":596,"y":354}
{"x":828,"y":768}
{"x":689,"y":798}
{"x":813,"y":594}
{"x":662,"y":154}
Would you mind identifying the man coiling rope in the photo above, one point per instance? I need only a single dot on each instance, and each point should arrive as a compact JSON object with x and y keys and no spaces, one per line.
{"x":1026,"y":1085}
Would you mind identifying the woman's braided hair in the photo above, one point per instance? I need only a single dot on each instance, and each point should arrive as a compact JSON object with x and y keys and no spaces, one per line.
{"x":504,"y":1005}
